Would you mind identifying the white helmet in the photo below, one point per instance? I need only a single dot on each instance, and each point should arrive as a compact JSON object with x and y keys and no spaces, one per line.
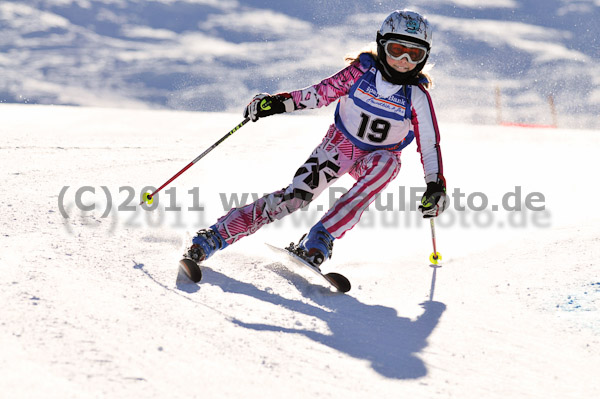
{"x":408,"y":26}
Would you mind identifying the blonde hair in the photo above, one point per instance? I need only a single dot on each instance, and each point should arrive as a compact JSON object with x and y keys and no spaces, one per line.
{"x":371,"y":49}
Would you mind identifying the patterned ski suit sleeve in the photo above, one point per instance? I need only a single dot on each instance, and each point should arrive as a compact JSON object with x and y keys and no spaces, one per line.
{"x":329,"y":89}
{"x":427,"y":133}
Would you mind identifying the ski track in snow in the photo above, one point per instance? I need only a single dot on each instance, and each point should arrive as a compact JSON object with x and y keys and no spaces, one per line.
{"x":94,"y":306}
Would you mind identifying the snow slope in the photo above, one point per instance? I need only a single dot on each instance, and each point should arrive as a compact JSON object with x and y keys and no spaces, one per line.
{"x":93,"y":306}
{"x":208,"y":55}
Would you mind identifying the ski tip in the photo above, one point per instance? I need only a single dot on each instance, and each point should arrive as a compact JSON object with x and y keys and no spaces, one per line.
{"x":340,"y":282}
{"x":191,"y":269}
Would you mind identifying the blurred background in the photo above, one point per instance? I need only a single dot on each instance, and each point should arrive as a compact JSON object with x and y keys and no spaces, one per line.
{"x":531,"y":62}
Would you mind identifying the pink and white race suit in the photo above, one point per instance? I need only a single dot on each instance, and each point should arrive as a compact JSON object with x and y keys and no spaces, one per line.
{"x":374,"y":121}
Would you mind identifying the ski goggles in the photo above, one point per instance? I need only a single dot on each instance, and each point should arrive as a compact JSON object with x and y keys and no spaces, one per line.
{"x":412,"y":52}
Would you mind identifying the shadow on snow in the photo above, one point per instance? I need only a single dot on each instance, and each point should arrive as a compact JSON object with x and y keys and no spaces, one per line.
{"x":370,"y":332}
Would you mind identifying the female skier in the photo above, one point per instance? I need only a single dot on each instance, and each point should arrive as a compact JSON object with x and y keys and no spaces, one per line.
{"x":383,"y":106}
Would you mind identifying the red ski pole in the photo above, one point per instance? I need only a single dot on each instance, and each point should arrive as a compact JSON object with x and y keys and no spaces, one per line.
{"x":148,"y":196}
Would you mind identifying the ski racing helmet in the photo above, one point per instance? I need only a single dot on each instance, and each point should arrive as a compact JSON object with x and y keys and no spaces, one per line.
{"x":405,"y":26}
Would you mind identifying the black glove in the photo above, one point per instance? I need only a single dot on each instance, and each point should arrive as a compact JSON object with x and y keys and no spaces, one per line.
{"x":264,"y":104}
{"x":434,"y":200}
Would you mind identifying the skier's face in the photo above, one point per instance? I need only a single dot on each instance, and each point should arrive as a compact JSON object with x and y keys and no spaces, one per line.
{"x":400,"y":65}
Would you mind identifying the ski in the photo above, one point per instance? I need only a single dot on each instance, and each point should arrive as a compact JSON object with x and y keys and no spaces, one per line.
{"x":191,"y":269}
{"x":338,"y":281}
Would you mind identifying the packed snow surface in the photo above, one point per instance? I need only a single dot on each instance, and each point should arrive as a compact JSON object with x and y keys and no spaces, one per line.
{"x":93,"y":304}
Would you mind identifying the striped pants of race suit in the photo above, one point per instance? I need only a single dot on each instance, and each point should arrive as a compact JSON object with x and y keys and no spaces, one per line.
{"x":333,"y":158}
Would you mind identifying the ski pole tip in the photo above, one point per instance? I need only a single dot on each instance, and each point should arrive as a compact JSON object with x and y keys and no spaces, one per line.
{"x":147,"y":199}
{"x":435,"y":257}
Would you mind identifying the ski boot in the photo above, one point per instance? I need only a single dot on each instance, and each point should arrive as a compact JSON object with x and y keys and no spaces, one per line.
{"x":316,"y":246}
{"x":204,"y":245}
